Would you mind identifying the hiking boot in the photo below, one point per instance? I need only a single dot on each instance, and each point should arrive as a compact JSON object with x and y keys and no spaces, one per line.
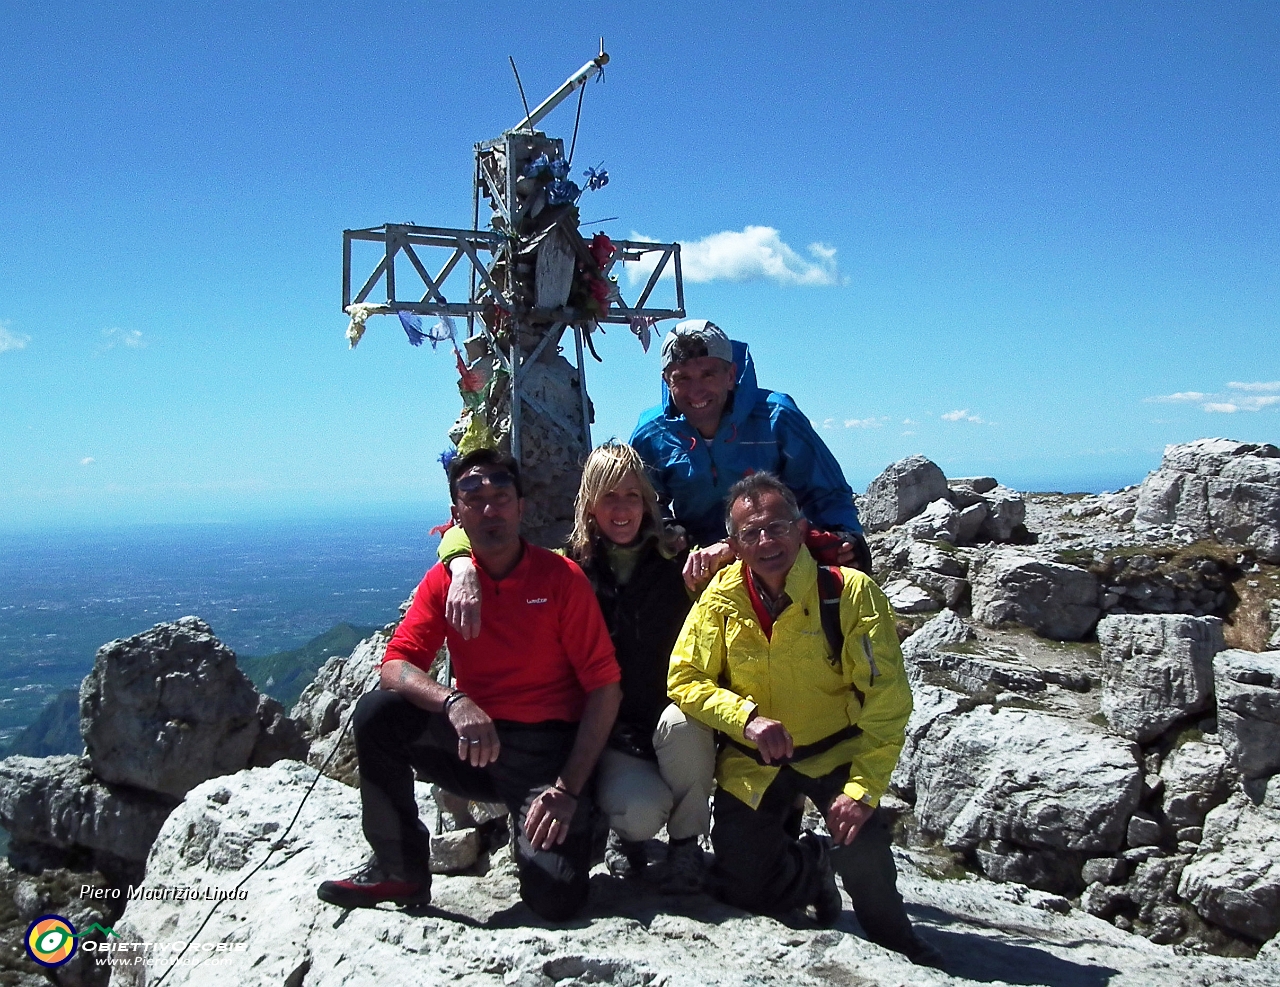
{"x":625,"y":858}
{"x":922,"y":953}
{"x":828,"y":904}
{"x":370,"y":886}
{"x":685,"y":868}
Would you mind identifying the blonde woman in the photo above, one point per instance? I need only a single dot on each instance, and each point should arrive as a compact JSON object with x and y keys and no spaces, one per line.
{"x":658,"y":768}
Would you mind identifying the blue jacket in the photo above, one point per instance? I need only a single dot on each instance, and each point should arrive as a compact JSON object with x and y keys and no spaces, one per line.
{"x":760,"y":430}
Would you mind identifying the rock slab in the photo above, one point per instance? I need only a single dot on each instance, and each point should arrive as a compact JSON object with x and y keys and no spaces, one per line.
{"x":477,"y":933}
{"x":57,"y":802}
{"x":1036,"y":781}
{"x":1195,"y":779}
{"x":1234,"y":879}
{"x":1055,"y":600}
{"x":1248,"y":691}
{"x":1220,"y":489}
{"x":327,"y":702}
{"x":1157,"y":669}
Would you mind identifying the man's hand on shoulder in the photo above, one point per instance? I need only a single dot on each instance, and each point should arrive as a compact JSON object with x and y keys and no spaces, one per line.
{"x":771,"y":738}
{"x":477,"y":737}
{"x":703,"y":563}
{"x":462,"y":604}
{"x":845,"y":818}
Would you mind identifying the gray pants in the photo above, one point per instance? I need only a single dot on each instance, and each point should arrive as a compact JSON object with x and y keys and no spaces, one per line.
{"x":640,"y":796}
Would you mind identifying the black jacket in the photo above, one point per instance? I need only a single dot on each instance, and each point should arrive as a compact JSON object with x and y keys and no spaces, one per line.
{"x":644,"y":618}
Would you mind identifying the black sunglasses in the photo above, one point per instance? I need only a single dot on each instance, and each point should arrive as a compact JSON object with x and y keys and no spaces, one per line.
{"x":474,"y":481}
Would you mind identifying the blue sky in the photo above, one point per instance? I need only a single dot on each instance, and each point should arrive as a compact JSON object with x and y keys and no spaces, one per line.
{"x":1047,"y":234}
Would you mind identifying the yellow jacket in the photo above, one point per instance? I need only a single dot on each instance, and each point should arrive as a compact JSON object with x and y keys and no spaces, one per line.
{"x":723,"y":668}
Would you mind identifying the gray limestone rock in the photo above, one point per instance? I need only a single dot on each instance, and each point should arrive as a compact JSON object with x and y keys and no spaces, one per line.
{"x":1157,"y":669}
{"x":1143,"y":830}
{"x":166,"y":709}
{"x":56,"y":802}
{"x":931,"y":566}
{"x":1248,"y":690}
{"x":968,"y":490}
{"x":1220,"y":489}
{"x":1055,"y":600}
{"x":1046,"y":870}
{"x":629,"y":936}
{"x":455,"y":851}
{"x":1104,"y":870}
{"x":1234,"y":878}
{"x":938,"y":520}
{"x":901,"y":492}
{"x":279,"y":736}
{"x":931,"y":556}
{"x":1196,"y":779}
{"x":978,"y":675}
{"x":970,"y":521}
{"x":1006,"y":512}
{"x":948,"y":627}
{"x":930,"y":704}
{"x":905,"y":597}
{"x":326,"y":704}
{"x":1031,"y":779}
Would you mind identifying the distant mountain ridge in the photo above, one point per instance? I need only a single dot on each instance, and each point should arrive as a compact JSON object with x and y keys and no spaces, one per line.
{"x":282,"y":676}
{"x":55,"y":731}
{"x":285,"y":674}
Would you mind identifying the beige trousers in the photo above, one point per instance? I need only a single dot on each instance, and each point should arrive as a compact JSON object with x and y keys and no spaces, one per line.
{"x":640,"y":797}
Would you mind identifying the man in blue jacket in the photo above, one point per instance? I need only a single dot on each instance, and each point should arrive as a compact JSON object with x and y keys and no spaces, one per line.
{"x":715,"y":426}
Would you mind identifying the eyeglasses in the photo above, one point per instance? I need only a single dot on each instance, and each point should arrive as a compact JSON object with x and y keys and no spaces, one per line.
{"x":776,"y":530}
{"x":472,"y":482}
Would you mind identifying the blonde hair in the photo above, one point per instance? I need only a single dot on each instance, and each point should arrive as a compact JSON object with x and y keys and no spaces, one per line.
{"x":606,"y":468}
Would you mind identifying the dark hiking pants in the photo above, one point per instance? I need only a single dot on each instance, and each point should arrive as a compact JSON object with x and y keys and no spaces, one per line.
{"x":762,"y":867}
{"x":393,"y":737}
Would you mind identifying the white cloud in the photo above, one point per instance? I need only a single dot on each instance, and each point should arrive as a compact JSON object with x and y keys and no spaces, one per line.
{"x":87,"y":461}
{"x":1248,"y":396}
{"x":910,"y":421}
{"x":962,"y":415}
{"x":756,"y":253}
{"x":1252,"y":403}
{"x":1189,"y":397}
{"x":11,"y":340}
{"x":866,"y":422}
{"x":128,"y":338}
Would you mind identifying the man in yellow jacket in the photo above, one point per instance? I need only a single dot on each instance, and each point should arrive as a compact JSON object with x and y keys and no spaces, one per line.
{"x":755,"y":663}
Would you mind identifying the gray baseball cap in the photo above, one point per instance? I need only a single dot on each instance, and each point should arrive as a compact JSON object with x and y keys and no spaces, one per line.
{"x":693,"y":338}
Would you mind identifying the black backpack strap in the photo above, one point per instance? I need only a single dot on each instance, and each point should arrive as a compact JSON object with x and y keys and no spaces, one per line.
{"x":830,"y":590}
{"x":830,"y":585}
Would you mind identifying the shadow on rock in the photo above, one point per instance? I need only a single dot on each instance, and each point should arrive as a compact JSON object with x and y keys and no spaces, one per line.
{"x":973,"y":956}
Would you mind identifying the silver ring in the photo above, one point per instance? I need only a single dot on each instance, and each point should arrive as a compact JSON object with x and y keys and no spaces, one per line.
{"x":473,"y":741}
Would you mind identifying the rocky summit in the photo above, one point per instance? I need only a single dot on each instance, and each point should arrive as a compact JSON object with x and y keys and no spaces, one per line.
{"x":1089,"y":791}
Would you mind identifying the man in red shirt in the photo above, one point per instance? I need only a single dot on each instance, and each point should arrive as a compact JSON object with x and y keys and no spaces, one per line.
{"x":536,"y":698}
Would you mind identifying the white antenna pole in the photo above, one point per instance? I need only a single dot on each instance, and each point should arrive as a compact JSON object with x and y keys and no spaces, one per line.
{"x":579,"y":78}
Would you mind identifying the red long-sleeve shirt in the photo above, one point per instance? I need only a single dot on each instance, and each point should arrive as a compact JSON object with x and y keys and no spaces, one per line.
{"x":543,"y":644}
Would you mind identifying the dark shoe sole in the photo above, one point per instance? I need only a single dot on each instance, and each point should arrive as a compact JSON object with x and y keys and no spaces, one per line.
{"x":335,"y":894}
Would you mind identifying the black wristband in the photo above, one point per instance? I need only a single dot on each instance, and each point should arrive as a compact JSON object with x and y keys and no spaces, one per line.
{"x":560,"y":788}
{"x":452,"y":698}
